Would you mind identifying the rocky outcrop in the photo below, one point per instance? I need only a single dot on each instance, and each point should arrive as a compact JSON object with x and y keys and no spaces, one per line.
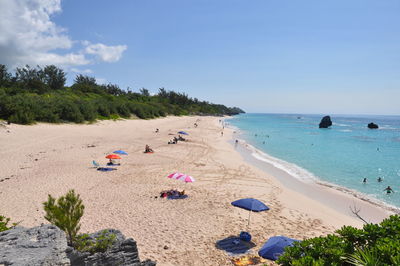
{"x":325,"y":122}
{"x":123,"y":252}
{"x":373,"y":126}
{"x":43,"y":245}
{"x":46,"y":245}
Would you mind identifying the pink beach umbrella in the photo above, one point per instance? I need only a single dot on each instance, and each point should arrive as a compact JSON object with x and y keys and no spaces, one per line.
{"x":181,"y":177}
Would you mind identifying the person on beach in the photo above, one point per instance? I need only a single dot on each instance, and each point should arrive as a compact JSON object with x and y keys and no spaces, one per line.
{"x":147,"y":149}
{"x":222,"y":133}
{"x":157,"y":130}
{"x":388,"y":190}
{"x":380,"y":179}
{"x":365,"y":180}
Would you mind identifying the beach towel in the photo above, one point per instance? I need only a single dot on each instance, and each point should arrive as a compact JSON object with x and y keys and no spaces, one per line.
{"x":105,"y":169}
{"x":177,"y":197}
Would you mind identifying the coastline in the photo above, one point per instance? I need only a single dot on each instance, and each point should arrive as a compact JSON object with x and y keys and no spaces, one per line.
{"x":334,"y":196}
{"x":51,"y":159}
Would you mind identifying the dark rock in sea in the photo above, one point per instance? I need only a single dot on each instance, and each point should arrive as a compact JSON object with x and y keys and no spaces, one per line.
{"x":325,"y":122}
{"x":372,"y":125}
{"x":47,"y":245}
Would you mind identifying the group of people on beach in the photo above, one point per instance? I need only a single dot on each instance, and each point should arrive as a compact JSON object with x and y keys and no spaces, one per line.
{"x":176,"y":139}
{"x":171,"y":192}
{"x":379,"y":179}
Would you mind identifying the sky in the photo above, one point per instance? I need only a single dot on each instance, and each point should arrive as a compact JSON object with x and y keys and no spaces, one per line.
{"x":279,"y":56}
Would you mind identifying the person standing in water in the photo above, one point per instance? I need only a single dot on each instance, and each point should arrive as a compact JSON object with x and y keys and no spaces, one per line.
{"x":380,"y":179}
{"x":365,"y":180}
{"x":388,"y":190}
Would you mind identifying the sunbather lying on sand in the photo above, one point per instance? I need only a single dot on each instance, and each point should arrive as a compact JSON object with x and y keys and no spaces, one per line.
{"x":171,"y":192}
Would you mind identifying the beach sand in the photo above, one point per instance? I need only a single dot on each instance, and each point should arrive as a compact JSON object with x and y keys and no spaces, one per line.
{"x":51,"y":159}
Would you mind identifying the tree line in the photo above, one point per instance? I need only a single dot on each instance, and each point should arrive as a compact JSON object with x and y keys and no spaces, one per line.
{"x":39,"y":94}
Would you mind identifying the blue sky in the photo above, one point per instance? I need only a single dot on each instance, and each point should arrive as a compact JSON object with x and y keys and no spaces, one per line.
{"x":325,"y":57}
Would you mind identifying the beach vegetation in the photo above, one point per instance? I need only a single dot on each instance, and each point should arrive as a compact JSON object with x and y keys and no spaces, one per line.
{"x":4,"y":223}
{"x":374,"y":244}
{"x":65,"y":213}
{"x":39,"y":94}
{"x":100,"y":243}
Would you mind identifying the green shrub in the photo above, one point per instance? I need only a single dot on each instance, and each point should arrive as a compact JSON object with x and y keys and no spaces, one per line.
{"x":4,"y":223}
{"x":374,"y":244}
{"x":104,"y":241}
{"x":65,"y":213}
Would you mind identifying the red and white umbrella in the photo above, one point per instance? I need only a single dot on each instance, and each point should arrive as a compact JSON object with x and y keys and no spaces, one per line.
{"x":181,"y":177}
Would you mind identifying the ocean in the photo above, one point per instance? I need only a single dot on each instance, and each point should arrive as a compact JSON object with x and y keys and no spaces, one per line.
{"x":342,"y":155}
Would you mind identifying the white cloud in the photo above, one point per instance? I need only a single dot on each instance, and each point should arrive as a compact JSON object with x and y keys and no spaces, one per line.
{"x":29,"y":36}
{"x":106,"y":53}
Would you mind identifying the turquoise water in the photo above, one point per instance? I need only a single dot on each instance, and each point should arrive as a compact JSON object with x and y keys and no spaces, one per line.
{"x":342,"y":155}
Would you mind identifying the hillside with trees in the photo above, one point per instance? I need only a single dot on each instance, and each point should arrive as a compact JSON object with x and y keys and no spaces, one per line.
{"x":40,"y":95}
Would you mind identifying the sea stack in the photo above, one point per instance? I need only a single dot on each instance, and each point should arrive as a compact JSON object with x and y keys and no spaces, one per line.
{"x":325,"y":122}
{"x":373,"y":126}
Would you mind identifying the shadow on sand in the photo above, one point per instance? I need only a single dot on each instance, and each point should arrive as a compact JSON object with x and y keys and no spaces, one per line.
{"x":234,"y":246}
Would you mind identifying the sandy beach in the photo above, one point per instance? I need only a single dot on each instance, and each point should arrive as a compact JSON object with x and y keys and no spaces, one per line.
{"x":51,"y":159}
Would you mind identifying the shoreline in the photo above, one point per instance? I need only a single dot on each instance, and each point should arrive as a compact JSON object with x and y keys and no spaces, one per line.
{"x":331,"y":195}
{"x":51,"y":159}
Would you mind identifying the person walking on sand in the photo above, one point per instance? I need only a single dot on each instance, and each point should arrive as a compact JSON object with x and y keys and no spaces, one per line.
{"x":388,"y":190}
{"x":222,"y":133}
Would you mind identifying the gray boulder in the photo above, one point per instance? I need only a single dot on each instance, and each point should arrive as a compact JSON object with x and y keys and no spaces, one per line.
{"x":325,"y":122}
{"x":44,"y":245}
{"x":123,"y":252}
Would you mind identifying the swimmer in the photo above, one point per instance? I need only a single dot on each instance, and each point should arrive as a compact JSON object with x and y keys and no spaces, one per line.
{"x":380,"y":179}
{"x":388,"y":190}
{"x":365,"y":180}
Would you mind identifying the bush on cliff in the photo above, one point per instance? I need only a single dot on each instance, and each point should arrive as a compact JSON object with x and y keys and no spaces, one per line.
{"x":4,"y":223}
{"x":100,"y":243}
{"x":374,"y":243}
{"x":65,"y":213}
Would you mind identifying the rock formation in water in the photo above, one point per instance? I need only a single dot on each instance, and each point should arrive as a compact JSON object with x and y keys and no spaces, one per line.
{"x":47,"y":245}
{"x":325,"y":122}
{"x":372,"y":125}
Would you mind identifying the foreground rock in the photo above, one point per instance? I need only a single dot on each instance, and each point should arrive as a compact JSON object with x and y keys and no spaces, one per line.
{"x":42,"y":245}
{"x":46,"y":245}
{"x":123,"y":252}
{"x":325,"y":122}
{"x":373,"y":126}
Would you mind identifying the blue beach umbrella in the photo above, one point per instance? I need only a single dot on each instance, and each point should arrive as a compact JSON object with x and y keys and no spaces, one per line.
{"x":275,"y":246}
{"x":120,"y":152}
{"x":183,"y":133}
{"x":250,"y":204}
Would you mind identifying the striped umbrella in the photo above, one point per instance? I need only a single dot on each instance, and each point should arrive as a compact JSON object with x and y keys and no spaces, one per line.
{"x":181,"y":177}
